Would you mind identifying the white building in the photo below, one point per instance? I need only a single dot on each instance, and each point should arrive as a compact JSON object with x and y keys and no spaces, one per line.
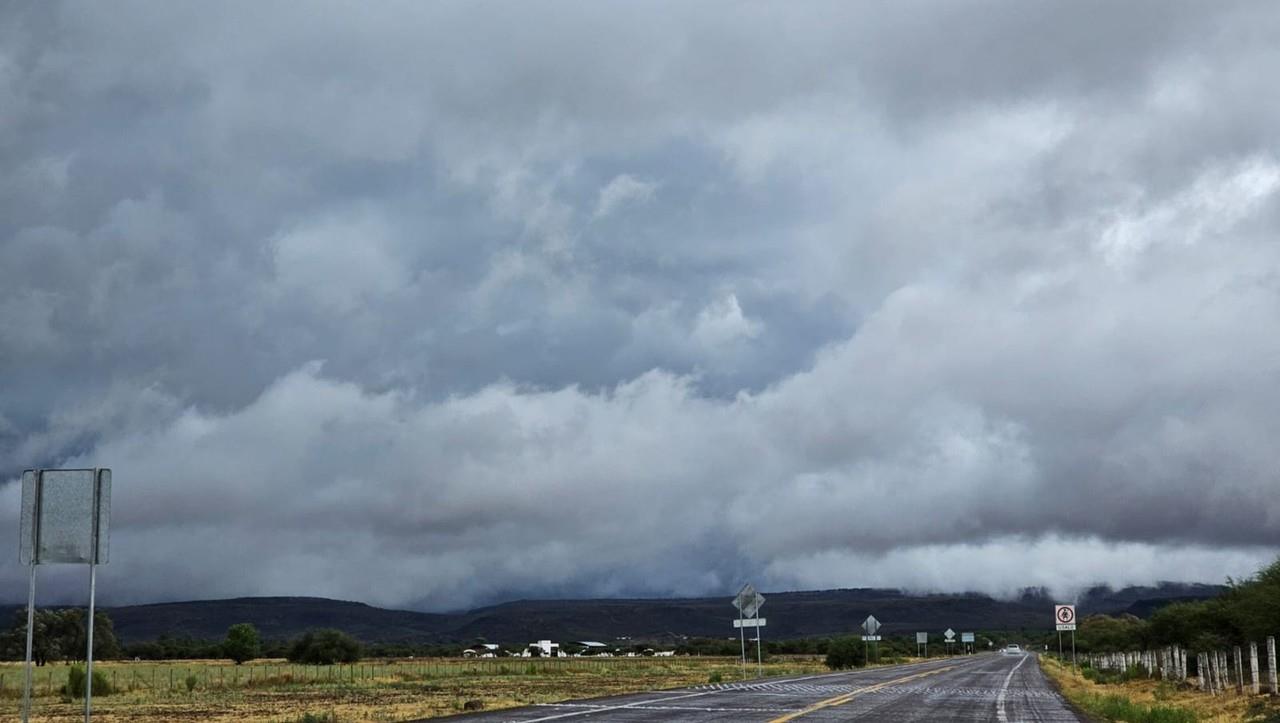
{"x":543,"y":649}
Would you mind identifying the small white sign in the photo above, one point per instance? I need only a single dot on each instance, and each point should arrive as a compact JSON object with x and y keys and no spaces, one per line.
{"x":950,"y":635}
{"x":1066,"y":626}
{"x":750,"y":623}
{"x":871,"y":625}
{"x":1064,"y":614}
{"x":871,"y":638}
{"x":966,"y":637}
{"x":922,"y":638}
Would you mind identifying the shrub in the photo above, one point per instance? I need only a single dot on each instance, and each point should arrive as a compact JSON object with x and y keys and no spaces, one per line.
{"x":75,"y":683}
{"x":191,"y":681}
{"x":844,"y":653}
{"x":1262,"y":712}
{"x":1111,"y":677}
{"x":715,"y":678}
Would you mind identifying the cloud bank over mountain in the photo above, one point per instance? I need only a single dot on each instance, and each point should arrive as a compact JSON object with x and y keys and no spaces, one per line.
{"x":434,"y":305}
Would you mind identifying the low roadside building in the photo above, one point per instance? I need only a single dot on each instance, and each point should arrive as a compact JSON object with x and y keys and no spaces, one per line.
{"x":543,"y":649}
{"x":591,"y":648}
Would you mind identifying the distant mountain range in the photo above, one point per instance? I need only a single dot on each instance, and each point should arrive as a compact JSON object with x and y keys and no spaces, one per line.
{"x":790,"y":615}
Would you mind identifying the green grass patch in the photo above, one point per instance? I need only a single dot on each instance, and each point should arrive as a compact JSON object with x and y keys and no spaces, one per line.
{"x":1120,"y":708}
{"x":1112,"y":677}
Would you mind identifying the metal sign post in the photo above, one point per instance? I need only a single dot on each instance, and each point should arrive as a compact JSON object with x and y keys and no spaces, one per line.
{"x":967,"y":640}
{"x":949,"y":637}
{"x":759,"y":636}
{"x":757,"y":623}
{"x":66,"y":515}
{"x":742,"y":638}
{"x":756,"y":603}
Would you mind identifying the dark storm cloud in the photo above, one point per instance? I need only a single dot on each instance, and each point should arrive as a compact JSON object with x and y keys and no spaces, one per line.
{"x":620,"y":299}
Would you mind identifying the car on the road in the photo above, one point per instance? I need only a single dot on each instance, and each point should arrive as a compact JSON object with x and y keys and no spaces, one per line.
{"x":1011,"y":649}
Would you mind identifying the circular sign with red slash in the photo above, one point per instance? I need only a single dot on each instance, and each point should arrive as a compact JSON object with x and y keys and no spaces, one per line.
{"x":1065,"y":614}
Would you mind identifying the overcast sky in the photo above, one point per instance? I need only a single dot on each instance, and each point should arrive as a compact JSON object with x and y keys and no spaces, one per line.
{"x":439,"y":304}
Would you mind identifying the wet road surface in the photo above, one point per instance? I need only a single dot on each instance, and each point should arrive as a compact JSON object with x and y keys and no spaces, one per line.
{"x":989,"y":687}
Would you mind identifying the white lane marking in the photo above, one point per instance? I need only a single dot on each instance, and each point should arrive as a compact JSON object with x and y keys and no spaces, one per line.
{"x":703,"y":709}
{"x":642,"y":703}
{"x":636,"y":704}
{"x":1000,"y":714}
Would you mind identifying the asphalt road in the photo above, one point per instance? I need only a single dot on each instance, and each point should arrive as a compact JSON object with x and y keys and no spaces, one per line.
{"x":987,"y":687}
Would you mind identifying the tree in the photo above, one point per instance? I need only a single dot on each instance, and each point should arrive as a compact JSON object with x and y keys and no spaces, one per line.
{"x":324,"y":647}
{"x":242,"y":643}
{"x":60,"y":635}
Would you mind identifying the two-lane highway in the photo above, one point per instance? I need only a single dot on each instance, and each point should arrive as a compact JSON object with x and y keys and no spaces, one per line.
{"x":986,"y":687}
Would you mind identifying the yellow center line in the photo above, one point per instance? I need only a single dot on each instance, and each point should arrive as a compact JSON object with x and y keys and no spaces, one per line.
{"x":846,"y":697}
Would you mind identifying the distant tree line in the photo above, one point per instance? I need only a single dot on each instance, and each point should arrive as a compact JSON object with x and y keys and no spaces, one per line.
{"x":1247,"y":610}
{"x":60,"y":636}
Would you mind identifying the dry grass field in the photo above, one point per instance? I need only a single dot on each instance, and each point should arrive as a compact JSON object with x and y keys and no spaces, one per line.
{"x":1163,"y":701}
{"x":277,"y":692}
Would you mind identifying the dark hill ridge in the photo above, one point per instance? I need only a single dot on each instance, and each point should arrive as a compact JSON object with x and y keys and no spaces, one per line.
{"x":790,"y":614}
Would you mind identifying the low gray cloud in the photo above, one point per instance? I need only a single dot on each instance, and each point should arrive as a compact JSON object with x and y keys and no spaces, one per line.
{"x":436,"y":304}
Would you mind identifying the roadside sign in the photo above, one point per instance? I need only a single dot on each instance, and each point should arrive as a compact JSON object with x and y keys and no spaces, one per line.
{"x":966,"y":637}
{"x":950,"y":635}
{"x":871,"y":625}
{"x":1064,"y":617}
{"x":66,"y":514}
{"x":748,"y":601}
{"x":870,"y":638}
{"x":1064,"y":614}
{"x":65,"y":517}
{"x":922,"y":638}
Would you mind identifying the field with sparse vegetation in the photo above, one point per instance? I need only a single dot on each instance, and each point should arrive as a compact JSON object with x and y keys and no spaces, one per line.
{"x":279,"y":692}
